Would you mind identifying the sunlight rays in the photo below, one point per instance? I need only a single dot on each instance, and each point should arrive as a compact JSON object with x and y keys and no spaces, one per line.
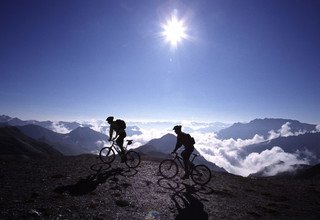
{"x":174,"y":31}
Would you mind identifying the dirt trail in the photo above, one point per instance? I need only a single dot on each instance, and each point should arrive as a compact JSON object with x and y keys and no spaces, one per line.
{"x":72,"y":188}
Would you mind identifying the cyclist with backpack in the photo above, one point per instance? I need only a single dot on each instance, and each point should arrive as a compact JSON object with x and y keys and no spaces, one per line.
{"x":118,"y":126}
{"x":188,"y":142}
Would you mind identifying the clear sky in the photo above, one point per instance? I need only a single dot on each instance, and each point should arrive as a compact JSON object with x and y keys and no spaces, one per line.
{"x":67,"y":60}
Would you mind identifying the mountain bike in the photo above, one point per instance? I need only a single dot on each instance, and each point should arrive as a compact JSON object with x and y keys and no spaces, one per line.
{"x":200,"y":174}
{"x":131,"y":158}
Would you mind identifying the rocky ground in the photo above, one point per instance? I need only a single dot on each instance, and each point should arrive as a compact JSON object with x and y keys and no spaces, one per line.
{"x":71,"y":188}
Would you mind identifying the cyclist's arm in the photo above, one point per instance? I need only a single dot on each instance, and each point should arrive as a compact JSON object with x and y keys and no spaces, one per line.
{"x":178,"y":145}
{"x":110,"y":133}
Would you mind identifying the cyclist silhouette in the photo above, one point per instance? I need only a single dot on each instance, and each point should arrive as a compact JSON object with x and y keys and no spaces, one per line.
{"x":187,"y":141}
{"x":118,"y":126}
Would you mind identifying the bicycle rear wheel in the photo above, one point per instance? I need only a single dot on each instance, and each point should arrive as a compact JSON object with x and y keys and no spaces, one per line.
{"x":201,"y":174}
{"x":107,"y":155}
{"x":168,"y":168}
{"x":132,"y":159}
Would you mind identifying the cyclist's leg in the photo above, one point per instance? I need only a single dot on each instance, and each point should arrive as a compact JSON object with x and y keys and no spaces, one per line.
{"x":186,"y":155}
{"x":119,"y":141}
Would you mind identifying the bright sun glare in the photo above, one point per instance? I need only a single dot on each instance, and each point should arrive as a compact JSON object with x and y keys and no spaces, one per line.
{"x":174,"y":31}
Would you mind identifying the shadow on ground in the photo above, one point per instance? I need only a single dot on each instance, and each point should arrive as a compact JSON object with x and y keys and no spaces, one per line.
{"x":187,"y":198}
{"x":103,"y":172}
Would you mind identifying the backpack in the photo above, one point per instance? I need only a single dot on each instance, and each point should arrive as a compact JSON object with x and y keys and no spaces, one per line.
{"x":190,"y":139}
{"x":121,"y":124}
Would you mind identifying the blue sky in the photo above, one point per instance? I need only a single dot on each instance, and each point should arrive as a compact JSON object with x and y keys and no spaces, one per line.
{"x":68,"y":60}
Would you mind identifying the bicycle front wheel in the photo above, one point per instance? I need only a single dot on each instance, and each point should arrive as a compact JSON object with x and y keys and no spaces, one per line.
{"x":168,"y":168}
{"x":107,"y":155}
{"x":201,"y":174}
{"x":132,"y":159}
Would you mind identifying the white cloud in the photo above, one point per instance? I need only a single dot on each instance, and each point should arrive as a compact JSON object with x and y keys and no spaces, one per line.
{"x":284,"y":131}
{"x":97,"y":125}
{"x":227,"y":153}
{"x":254,"y":162}
{"x":146,"y":136}
{"x":59,"y":128}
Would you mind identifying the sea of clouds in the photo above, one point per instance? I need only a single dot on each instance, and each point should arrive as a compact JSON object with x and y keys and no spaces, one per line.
{"x":227,"y":153}
{"x":224,"y":153}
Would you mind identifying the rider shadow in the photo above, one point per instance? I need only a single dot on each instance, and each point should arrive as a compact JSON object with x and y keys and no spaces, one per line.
{"x":187,"y":199}
{"x":90,"y":183}
{"x":103,"y":167}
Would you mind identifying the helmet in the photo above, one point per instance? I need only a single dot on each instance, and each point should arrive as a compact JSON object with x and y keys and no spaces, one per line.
{"x":177,"y":127}
{"x":110,"y":118}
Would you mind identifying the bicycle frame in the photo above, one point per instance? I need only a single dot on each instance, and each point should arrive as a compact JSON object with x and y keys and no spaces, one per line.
{"x":115,"y":146}
{"x":181,"y":162}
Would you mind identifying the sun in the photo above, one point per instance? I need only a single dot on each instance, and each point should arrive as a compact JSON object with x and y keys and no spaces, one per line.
{"x":174,"y":31}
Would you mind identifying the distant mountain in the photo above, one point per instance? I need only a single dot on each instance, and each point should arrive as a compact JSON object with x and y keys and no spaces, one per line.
{"x":46,"y":124}
{"x":4,"y":118}
{"x":11,"y":121}
{"x":261,"y":127}
{"x":85,"y":138}
{"x":297,"y":171}
{"x":55,"y":139}
{"x":303,"y":142}
{"x":81,"y":140}
{"x":290,"y":171}
{"x":14,"y":142}
{"x":162,"y":147}
{"x":63,"y":126}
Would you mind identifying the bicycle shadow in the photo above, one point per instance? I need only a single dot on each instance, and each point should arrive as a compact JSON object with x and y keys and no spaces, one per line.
{"x":103,"y":167}
{"x":187,"y":198}
{"x":103,"y":172}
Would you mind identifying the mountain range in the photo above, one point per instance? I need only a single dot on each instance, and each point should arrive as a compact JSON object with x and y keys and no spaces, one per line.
{"x":63,"y":126}
{"x":85,"y":140}
{"x":133,"y":128}
{"x":262,"y":127}
{"x":80,"y":140}
{"x":14,"y":143}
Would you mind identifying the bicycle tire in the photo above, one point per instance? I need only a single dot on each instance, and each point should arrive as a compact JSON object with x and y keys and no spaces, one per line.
{"x":107,"y":155}
{"x":168,"y":168}
{"x":132,"y":159}
{"x":201,"y":174}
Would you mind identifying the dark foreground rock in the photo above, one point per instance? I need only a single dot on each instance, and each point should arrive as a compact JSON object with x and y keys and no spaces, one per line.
{"x":79,"y":187}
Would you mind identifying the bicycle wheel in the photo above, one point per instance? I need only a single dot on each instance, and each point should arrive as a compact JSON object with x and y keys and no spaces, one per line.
{"x":168,"y":168}
{"x":201,"y":174}
{"x":132,"y":159}
{"x":107,"y":155}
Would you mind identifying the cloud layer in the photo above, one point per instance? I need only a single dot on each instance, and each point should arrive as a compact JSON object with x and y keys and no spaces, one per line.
{"x":227,"y":153}
{"x":224,"y":153}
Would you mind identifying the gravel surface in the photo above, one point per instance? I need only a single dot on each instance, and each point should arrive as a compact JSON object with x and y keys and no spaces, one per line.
{"x":80,"y":187}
